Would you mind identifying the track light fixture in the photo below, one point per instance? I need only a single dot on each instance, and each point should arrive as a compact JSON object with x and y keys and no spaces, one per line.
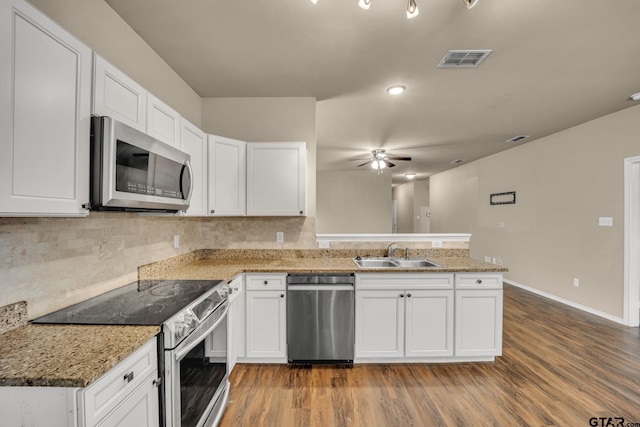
{"x":412,"y":9}
{"x":412,"y":6}
{"x":469,"y":3}
{"x":365,"y":4}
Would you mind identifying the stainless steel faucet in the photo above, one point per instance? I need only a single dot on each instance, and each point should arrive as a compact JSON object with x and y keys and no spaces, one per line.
{"x":390,"y":250}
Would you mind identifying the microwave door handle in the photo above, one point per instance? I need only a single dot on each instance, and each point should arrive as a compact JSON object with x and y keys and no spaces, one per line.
{"x":187,"y":166}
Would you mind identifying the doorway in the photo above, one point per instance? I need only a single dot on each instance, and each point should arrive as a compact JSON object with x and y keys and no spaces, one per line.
{"x":632,"y":241}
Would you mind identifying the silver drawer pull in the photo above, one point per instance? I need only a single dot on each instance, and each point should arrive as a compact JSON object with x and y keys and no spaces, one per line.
{"x":157,"y":382}
{"x":479,"y":281}
{"x":129,"y":377}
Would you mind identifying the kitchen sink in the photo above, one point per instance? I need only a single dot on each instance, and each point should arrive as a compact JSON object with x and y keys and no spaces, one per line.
{"x":394,"y":263}
{"x":415,"y":263}
{"x":374,"y":263}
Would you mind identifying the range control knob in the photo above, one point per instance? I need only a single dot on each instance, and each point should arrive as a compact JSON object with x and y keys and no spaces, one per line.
{"x":184,"y":325}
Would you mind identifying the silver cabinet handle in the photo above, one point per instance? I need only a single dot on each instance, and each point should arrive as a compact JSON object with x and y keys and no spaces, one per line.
{"x":401,"y":295}
{"x":479,"y":281}
{"x":129,"y":377}
{"x":408,"y":295}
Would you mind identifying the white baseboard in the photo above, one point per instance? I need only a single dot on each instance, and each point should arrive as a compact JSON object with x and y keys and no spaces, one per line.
{"x":584,"y":308}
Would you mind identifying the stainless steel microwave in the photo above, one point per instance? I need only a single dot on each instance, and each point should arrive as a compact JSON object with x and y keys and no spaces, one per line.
{"x":131,"y":171}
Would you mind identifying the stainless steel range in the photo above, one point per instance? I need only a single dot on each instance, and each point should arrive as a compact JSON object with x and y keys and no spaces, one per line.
{"x":192,"y":347}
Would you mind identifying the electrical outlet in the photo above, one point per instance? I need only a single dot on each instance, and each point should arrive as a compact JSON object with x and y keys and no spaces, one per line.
{"x":605,"y":221}
{"x":280,"y":237}
{"x":324,"y":244}
{"x":576,"y":282}
{"x":176,"y":241}
{"x":436,"y":243}
{"x":487,"y":259}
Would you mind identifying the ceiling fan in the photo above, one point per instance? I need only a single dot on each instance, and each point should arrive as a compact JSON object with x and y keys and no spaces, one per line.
{"x":380,"y":160}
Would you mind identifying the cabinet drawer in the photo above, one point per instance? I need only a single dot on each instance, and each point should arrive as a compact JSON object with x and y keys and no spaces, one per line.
{"x":105,"y":394}
{"x":404,"y":281}
{"x":267,"y":282}
{"x":478,"y":281}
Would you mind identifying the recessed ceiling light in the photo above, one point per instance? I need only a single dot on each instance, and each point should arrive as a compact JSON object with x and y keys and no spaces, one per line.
{"x":455,"y":162}
{"x":636,"y":96}
{"x":396,"y":89}
{"x":410,"y":175}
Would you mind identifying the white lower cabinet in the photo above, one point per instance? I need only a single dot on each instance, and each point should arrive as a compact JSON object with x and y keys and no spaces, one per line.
{"x":478,"y":315}
{"x":429,"y":323}
{"x":266,"y":318}
{"x":404,"y":316}
{"x":126,"y":396}
{"x":236,"y":322}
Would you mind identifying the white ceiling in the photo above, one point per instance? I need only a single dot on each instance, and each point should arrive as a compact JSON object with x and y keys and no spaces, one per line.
{"x":555,"y":64}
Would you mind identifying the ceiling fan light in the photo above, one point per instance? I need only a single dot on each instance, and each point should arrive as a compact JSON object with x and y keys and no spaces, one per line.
{"x":364,"y":4}
{"x":636,"y":96}
{"x":378,"y":164}
{"x":314,"y":1}
{"x":412,"y":9}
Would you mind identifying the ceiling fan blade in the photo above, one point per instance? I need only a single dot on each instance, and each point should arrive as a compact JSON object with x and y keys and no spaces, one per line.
{"x":388,"y":163}
{"x":399,"y":158}
{"x":359,"y":159}
{"x":365,"y":163}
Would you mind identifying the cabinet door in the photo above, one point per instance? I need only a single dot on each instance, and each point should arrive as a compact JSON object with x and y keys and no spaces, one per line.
{"x":266,"y":325}
{"x":429,"y":323}
{"x":45,"y":92}
{"x":227,"y":176}
{"x":379,"y":324}
{"x":163,"y":122}
{"x":276,"y":179}
{"x":478,"y":323}
{"x":117,"y":95}
{"x":139,"y":409}
{"x":194,"y":143}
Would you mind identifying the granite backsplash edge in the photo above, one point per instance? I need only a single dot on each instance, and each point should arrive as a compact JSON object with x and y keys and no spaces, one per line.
{"x":13,"y":316}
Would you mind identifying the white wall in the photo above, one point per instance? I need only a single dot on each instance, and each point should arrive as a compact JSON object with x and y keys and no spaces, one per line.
{"x":353,"y":202}
{"x":103,"y":30}
{"x":563,"y":183}
{"x":267,"y":120}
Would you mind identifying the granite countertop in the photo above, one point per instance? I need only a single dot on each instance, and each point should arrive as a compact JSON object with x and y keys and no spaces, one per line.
{"x":77,"y":355}
{"x":66,"y":355}
{"x":227,"y":268}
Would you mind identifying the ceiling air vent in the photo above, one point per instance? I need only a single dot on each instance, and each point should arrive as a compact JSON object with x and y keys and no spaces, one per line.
{"x":517,"y":138}
{"x":463,"y":58}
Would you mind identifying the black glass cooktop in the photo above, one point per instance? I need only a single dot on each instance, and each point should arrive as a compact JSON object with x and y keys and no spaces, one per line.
{"x":129,"y":306}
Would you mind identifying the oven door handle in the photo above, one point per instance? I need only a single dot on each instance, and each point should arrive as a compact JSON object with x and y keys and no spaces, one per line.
{"x":181,"y":352}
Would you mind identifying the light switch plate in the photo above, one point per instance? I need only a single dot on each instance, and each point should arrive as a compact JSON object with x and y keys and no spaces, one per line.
{"x":605,"y":221}
{"x":280,"y":237}
{"x":324,"y":244}
{"x":436,"y":243}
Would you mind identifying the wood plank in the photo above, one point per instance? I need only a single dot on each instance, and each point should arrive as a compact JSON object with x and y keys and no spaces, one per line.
{"x":560,"y":367}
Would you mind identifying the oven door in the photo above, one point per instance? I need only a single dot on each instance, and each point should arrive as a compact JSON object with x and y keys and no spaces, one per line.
{"x":196,"y":375}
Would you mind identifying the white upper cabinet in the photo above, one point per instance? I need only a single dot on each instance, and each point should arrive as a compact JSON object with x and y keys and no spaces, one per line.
{"x":276,"y":178}
{"x":45,"y":106}
{"x":227,"y":176}
{"x":118,"y":96}
{"x":194,"y":143}
{"x":163,"y":123}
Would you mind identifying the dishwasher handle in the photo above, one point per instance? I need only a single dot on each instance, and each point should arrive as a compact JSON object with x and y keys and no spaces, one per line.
{"x":320,"y":287}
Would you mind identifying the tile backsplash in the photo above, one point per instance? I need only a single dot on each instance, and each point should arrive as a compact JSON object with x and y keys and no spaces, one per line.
{"x":54,"y":262}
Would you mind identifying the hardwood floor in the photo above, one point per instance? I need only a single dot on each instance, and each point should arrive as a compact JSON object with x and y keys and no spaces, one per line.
{"x":560,"y":367}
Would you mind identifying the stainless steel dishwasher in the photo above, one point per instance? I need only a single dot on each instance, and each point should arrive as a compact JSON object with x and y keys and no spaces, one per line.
{"x":320,"y":318}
